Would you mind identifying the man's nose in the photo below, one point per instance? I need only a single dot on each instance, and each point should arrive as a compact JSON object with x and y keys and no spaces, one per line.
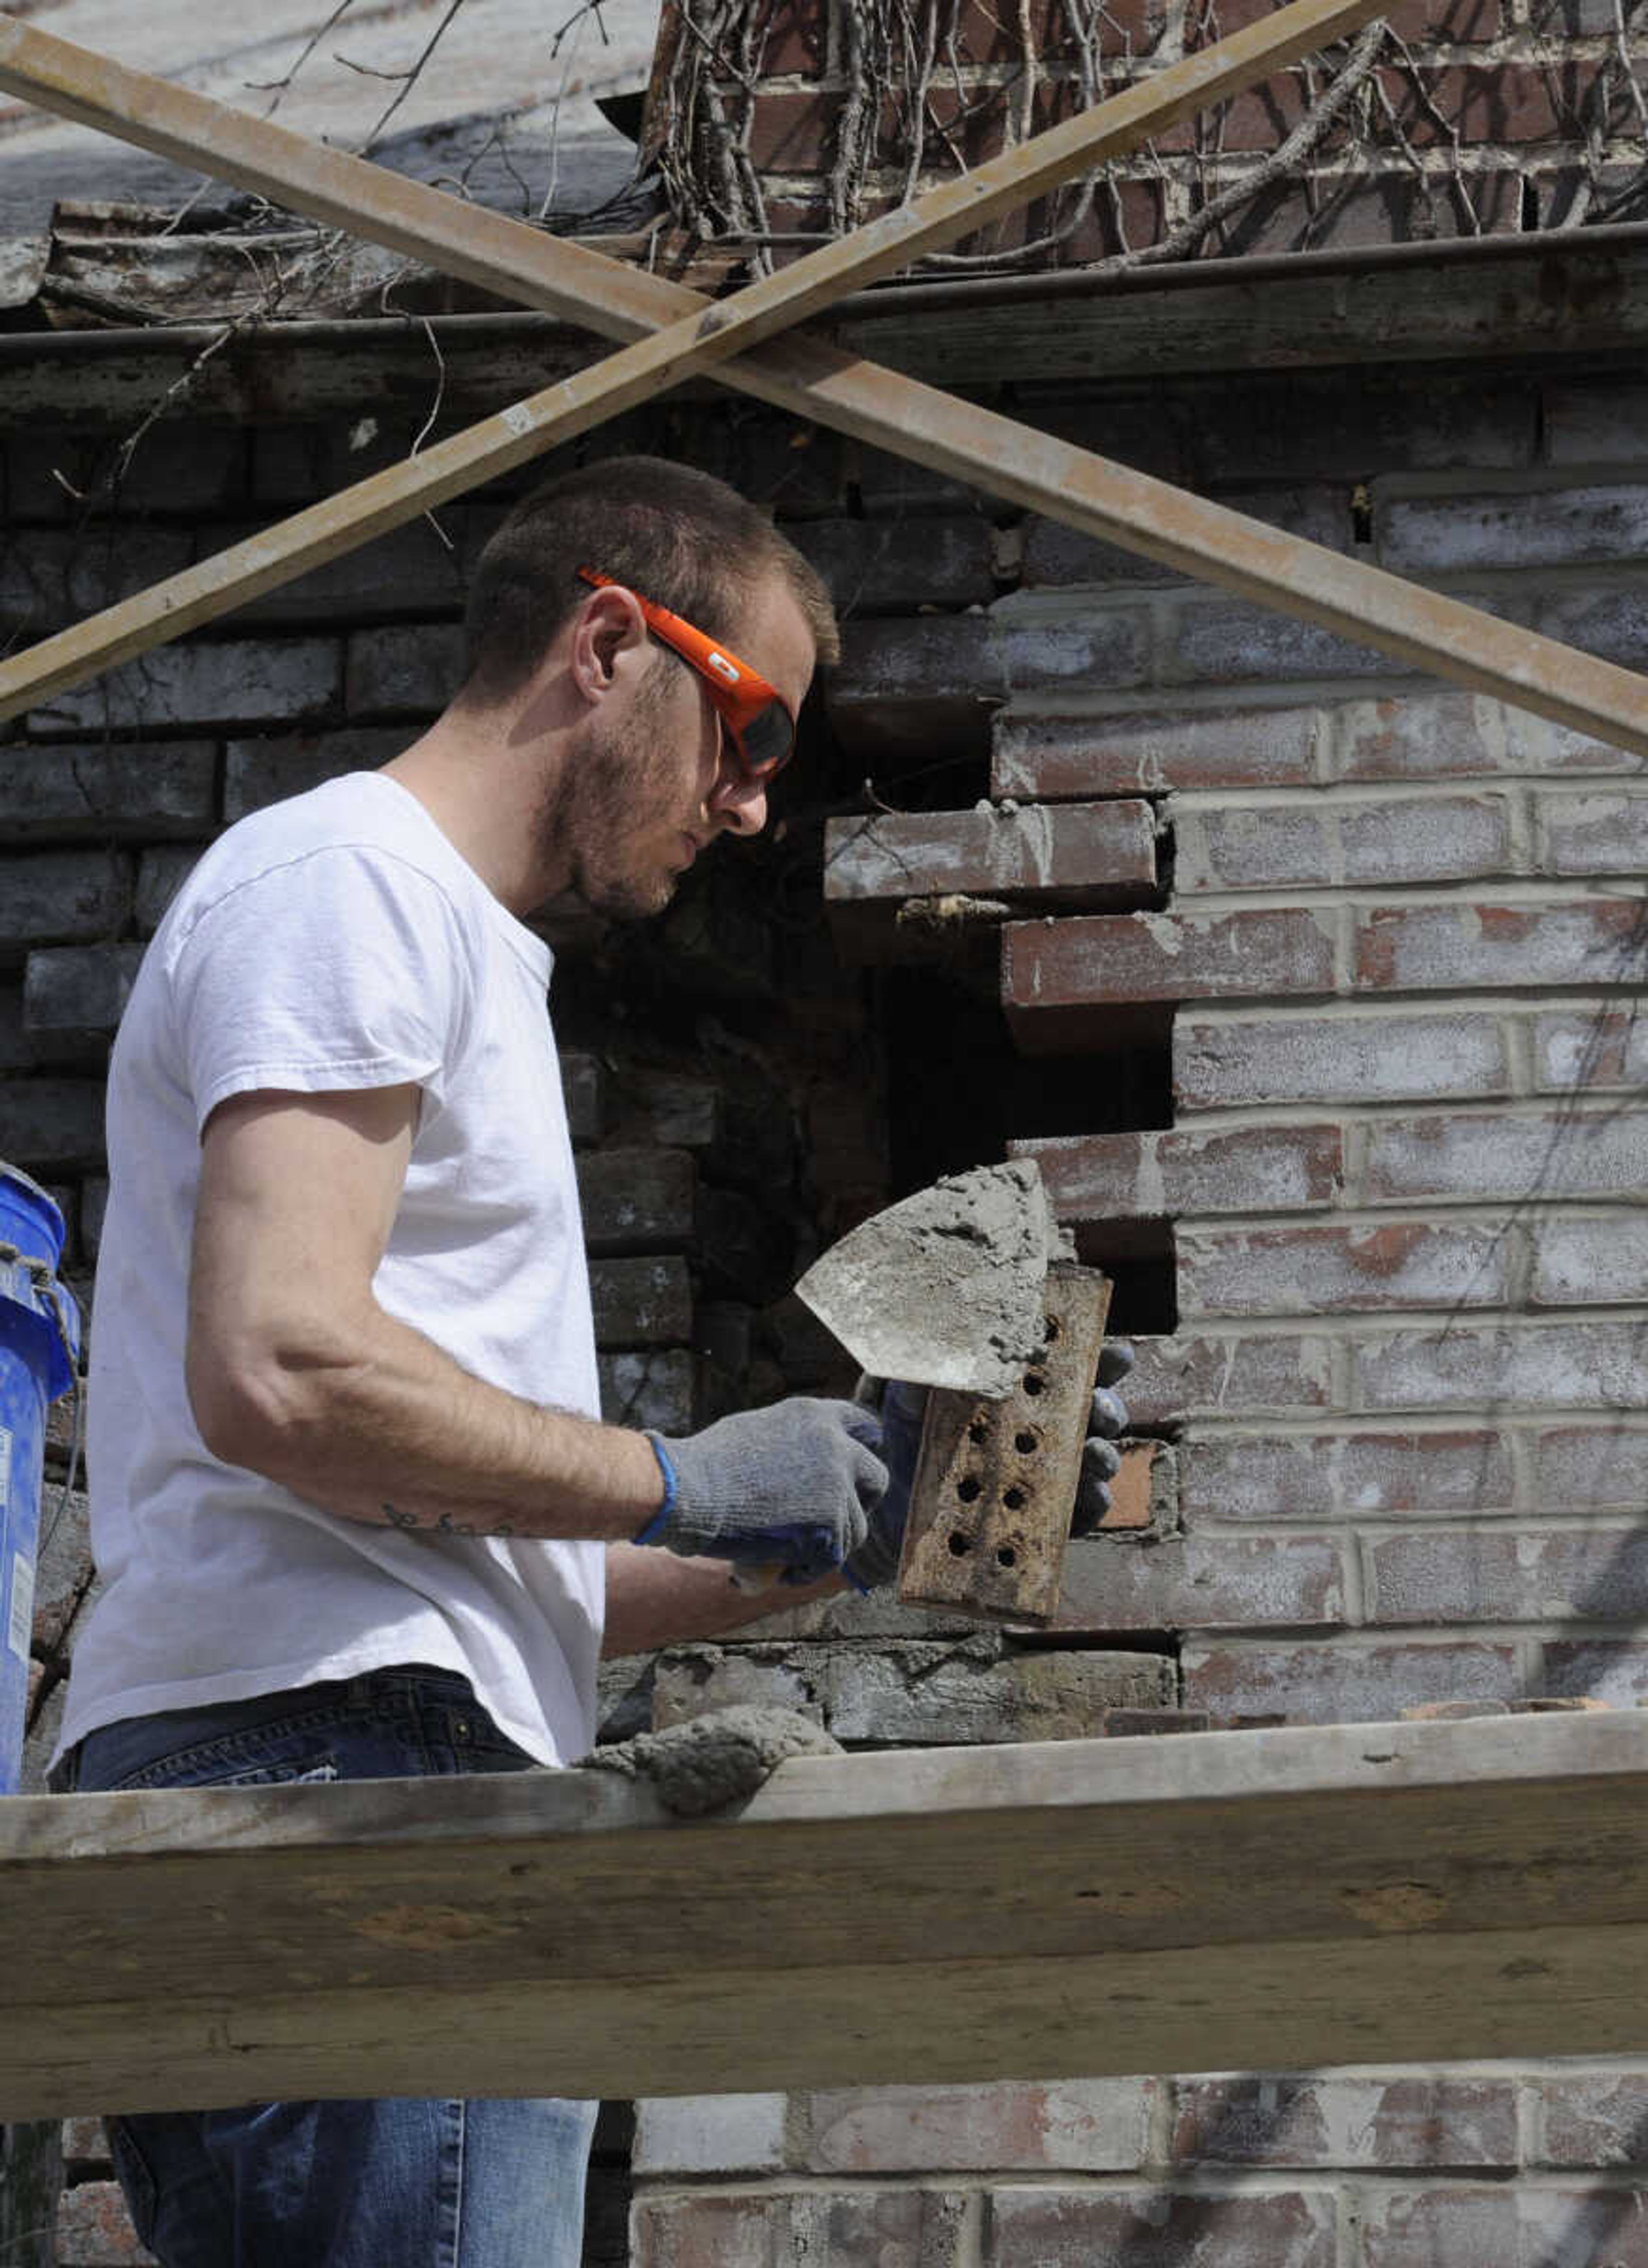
{"x":740,"y":805}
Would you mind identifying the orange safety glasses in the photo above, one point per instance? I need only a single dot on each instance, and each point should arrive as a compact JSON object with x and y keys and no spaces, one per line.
{"x":755,"y":715}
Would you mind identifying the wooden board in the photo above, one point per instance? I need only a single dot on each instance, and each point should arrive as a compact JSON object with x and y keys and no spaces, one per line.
{"x":1260,"y":1900}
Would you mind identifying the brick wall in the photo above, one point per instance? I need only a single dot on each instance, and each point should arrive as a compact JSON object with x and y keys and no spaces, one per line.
{"x":1313,"y":988}
{"x":1468,"y":117}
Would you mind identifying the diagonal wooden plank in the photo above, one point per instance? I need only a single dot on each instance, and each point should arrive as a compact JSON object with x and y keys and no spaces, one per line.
{"x":810,"y":378}
{"x":1266,"y":1900}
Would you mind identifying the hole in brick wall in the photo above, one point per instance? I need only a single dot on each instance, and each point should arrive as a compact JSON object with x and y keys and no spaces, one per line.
{"x":1530,"y":214}
{"x":1139,"y":1258}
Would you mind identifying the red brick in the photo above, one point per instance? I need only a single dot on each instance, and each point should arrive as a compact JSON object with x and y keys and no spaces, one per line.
{"x":1317,"y":845}
{"x":1341,"y":1270}
{"x":1269,"y":1476}
{"x":796,"y":40}
{"x":991,"y":31}
{"x":1494,"y":103}
{"x":794,"y":133}
{"x":1151,"y":1177}
{"x":1228,"y":1375}
{"x":84,"y":2142}
{"x":1509,"y":1575}
{"x":1331,"y":1683}
{"x":863,"y":2229}
{"x":1472,"y":1156}
{"x":94,"y":2229}
{"x":1557,"y":1364}
{"x":1054,"y":973}
{"x":1052,"y":756}
{"x":1592,"y":2119}
{"x":1163,"y":2228}
{"x":1236,"y":1057}
{"x":1448,"y":947}
{"x":1059,"y":850}
{"x":1083,"y":2125}
{"x":1449,"y":735}
{"x":1466,"y":2227}
{"x":1309,"y":2121}
{"x":1203,"y":1582}
{"x":1604,"y":1048}
{"x":1593,"y":1467}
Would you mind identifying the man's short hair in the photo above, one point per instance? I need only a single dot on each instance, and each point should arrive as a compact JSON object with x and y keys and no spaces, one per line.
{"x":678,"y":537}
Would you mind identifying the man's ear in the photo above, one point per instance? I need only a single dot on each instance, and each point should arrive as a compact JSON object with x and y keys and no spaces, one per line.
{"x":609,"y":644}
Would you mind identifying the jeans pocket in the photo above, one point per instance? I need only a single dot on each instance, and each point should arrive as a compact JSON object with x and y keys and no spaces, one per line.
{"x":237,"y":1760}
{"x":137,"y":2183}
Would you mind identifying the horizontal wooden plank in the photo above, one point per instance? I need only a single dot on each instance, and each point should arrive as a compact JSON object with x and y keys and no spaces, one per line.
{"x":1221,"y":1901}
{"x":1065,"y":856}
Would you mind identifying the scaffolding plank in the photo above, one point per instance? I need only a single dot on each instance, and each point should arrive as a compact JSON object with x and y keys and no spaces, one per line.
{"x":1248,"y":1900}
{"x":812,"y":378}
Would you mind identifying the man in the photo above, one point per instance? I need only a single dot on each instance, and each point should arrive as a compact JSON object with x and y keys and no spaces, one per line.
{"x":354,"y":1510}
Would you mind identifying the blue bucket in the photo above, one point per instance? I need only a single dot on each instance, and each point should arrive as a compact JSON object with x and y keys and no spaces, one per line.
{"x":40,"y":1346}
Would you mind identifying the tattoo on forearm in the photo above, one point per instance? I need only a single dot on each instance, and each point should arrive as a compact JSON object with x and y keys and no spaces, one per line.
{"x":441,"y":1523}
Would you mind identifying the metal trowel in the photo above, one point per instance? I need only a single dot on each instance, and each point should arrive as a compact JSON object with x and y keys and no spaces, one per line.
{"x":964,"y":1288}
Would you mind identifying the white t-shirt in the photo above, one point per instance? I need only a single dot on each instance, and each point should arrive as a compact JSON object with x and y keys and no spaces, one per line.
{"x":335,"y":942}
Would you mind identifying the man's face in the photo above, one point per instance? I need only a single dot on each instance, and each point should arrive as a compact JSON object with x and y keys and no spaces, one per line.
{"x":655,"y":783}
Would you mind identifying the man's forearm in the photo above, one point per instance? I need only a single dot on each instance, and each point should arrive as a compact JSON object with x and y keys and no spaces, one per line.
{"x":384,"y":1428}
{"x":654,"y":1599}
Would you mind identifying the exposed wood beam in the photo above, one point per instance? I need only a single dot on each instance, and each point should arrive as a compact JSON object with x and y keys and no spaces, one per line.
{"x":1237,"y":1901}
{"x":814,"y":379}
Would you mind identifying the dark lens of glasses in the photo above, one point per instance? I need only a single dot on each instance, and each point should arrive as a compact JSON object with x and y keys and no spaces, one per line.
{"x":768,"y":739}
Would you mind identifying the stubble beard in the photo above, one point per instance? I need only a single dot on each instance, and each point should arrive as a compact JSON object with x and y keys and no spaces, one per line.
{"x":592,"y":815}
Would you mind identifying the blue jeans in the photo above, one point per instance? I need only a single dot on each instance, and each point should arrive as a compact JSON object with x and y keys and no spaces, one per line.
{"x":402,"y":2183}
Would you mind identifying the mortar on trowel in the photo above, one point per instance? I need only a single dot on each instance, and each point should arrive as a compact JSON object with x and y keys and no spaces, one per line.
{"x":967,"y":1288}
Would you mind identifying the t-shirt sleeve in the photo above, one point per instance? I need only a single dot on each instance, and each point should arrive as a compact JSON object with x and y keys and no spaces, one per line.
{"x":344,"y":968}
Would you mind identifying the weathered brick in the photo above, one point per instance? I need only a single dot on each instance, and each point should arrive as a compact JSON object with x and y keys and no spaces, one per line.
{"x":258,"y":772}
{"x":1602,"y":1048}
{"x":1612,"y":624}
{"x":180,"y":470}
{"x":863,"y":2228}
{"x":1589,"y":1260}
{"x":1163,"y":2228}
{"x":1448,"y":947}
{"x":657,"y":1390}
{"x":903,"y":678}
{"x":1078,"y":853}
{"x":94,"y":2229}
{"x":881,"y":564}
{"x":1338,"y":1270}
{"x":1312,"y":2119}
{"x":1203,"y":1582}
{"x":106,"y":792}
{"x":1091,"y":2125}
{"x":84,"y":2142}
{"x":1228,"y":1373}
{"x":948,"y":1693}
{"x":408,"y":571}
{"x":1537,"y":528}
{"x":1569,"y":1364}
{"x":236,"y":682}
{"x":1450,"y":735}
{"x":638,"y":1201}
{"x":1592,"y":2119}
{"x":1475,"y":2228}
{"x":93,"y":1206}
{"x":1596,"y":424}
{"x":79,"y":987}
{"x":404,"y":669}
{"x":62,"y":1573}
{"x":52,"y":577}
{"x":583,"y":1080}
{"x":1321,"y":845}
{"x":1230,"y":640}
{"x":1594,"y":1468}
{"x":1611,"y":1670}
{"x":161,"y":874}
{"x":1155,"y":1176}
{"x":709,"y":2134}
{"x":1602,"y":832}
{"x":1061,"y":755}
{"x":1228,"y":1057}
{"x":1473,"y":1156}
{"x":64,"y":897}
{"x":1509,"y":1575}
{"x":51,"y":1124}
{"x":1057,"y":973}
{"x":1337,"y":1684}
{"x":1269,"y":1476}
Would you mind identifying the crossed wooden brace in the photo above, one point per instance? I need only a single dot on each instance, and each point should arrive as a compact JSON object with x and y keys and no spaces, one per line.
{"x":747,"y":342}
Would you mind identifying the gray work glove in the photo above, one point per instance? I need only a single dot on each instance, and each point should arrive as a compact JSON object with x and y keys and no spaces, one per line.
{"x":1101,"y":1459}
{"x":902,"y":1410}
{"x":790,"y":1486}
